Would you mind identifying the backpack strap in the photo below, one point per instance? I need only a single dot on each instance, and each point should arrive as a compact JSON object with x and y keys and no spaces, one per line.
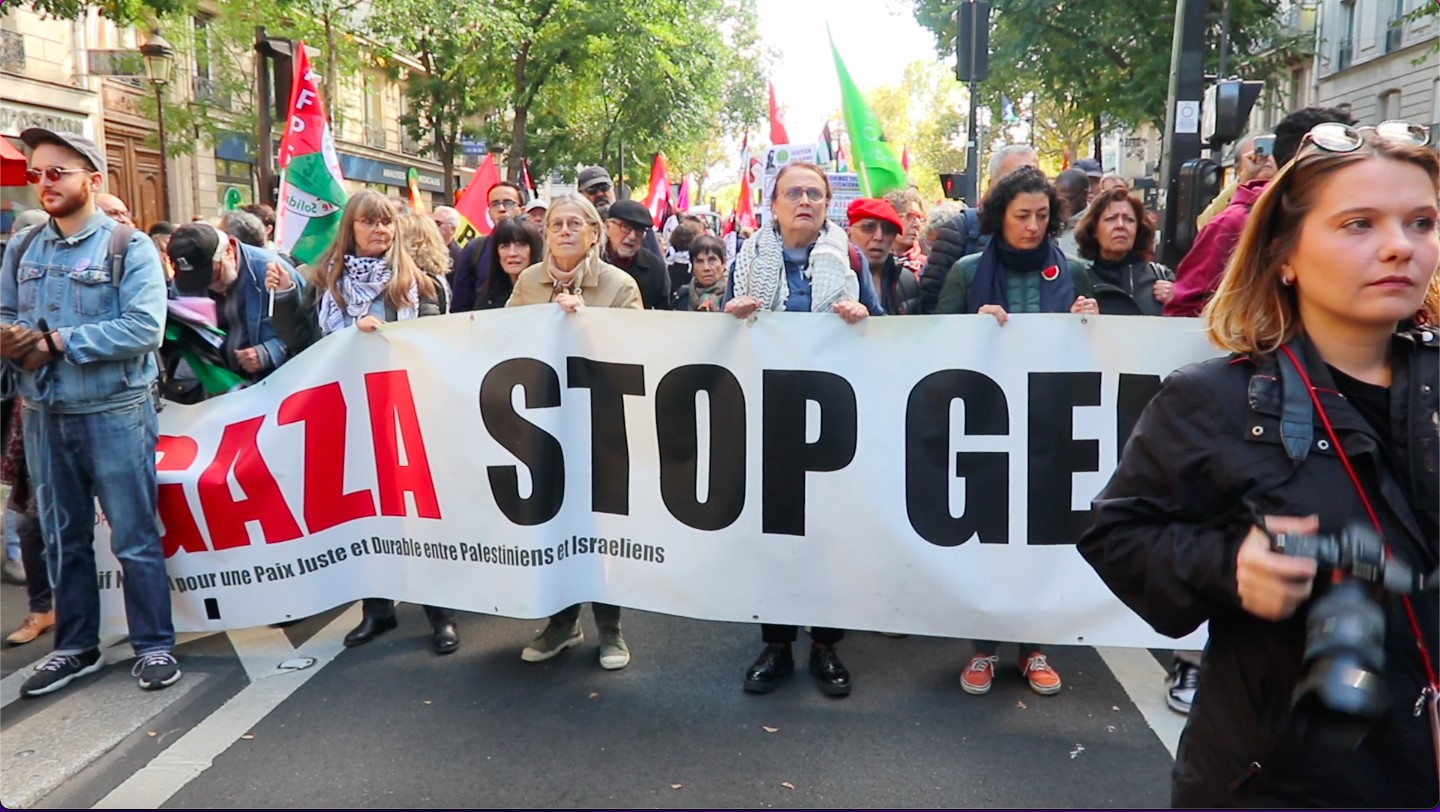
{"x":855,"y":259}
{"x":442,"y":291}
{"x":119,"y":246}
{"x":30,"y":234}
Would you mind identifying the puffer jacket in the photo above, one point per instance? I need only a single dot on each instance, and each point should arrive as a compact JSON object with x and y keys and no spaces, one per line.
{"x":1021,"y":289}
{"x":1208,"y":456}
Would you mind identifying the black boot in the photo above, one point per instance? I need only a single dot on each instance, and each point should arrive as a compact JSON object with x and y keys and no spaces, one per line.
{"x":828,"y":671}
{"x":445,"y":638}
{"x":371,"y":627}
{"x":774,"y":663}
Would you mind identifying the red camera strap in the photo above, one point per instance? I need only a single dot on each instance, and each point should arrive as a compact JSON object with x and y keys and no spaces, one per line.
{"x":1434,"y":686}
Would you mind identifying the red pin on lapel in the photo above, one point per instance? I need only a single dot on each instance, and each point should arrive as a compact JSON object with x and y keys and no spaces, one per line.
{"x":1051,"y":273}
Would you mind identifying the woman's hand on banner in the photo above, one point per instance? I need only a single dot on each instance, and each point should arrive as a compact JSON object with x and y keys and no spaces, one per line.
{"x":851,"y":312}
{"x":569,"y":302}
{"x":1085,"y":306}
{"x":994,"y":310}
{"x":368,"y":323}
{"x":742,"y":307}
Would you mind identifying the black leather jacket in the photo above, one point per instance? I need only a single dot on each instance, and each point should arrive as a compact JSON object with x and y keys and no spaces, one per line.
{"x":1165,"y":535}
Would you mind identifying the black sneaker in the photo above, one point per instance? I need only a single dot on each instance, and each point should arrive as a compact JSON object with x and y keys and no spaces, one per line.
{"x":1183,"y":682}
{"x":156,"y":670}
{"x":60,"y":670}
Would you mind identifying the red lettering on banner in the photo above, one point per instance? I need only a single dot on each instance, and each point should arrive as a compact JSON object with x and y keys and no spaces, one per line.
{"x":180,"y":530}
{"x":263,"y":502}
{"x":392,"y":402}
{"x":322,"y":410}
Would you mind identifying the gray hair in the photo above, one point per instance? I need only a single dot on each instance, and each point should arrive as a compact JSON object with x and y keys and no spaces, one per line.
{"x":1004,"y":152}
{"x":942,"y":213}
{"x":589,"y":214}
{"x":446,"y":213}
{"x":243,"y":226}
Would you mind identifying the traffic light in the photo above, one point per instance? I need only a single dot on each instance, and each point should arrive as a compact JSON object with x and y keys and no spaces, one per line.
{"x":972,"y":41}
{"x":1199,"y":184}
{"x":1226,"y":108}
{"x":953,"y":185}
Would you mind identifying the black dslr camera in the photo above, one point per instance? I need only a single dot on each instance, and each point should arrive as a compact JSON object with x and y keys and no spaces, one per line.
{"x":1343,"y":690}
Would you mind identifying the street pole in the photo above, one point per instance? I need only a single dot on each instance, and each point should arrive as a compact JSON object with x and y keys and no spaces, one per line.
{"x":1187,"y":87}
{"x":972,"y":150}
{"x":164,"y":161}
{"x":264,"y":165}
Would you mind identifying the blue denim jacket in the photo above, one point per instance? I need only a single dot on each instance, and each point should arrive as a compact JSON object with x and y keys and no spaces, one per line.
{"x":110,"y":332}
{"x":255,"y":304}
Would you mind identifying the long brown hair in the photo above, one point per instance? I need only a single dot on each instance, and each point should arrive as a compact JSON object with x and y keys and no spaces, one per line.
{"x":1252,"y":309}
{"x":403,"y":270}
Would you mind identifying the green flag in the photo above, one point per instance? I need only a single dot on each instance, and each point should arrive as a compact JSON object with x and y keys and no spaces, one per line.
{"x":312,"y":193}
{"x":870,"y":154}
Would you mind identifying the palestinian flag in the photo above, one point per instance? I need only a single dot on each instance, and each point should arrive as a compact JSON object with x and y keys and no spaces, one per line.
{"x":312,"y":195}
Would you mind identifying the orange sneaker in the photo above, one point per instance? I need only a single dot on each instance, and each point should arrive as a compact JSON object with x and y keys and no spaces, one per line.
{"x":1042,"y":678}
{"x":979,"y":674}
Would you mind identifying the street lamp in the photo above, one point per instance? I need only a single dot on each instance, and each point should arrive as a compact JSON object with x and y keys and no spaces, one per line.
{"x":159,"y":63}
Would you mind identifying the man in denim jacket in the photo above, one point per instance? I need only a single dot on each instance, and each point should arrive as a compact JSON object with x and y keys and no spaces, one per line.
{"x":210,"y":262}
{"x":79,"y":348}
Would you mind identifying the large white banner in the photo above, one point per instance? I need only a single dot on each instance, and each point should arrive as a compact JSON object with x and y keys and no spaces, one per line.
{"x":923,"y":474}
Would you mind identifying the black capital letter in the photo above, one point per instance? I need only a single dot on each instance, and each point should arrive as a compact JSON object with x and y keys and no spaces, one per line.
{"x":609,"y":442}
{"x":927,"y":470}
{"x":534,"y":447}
{"x":787,"y":457}
{"x":1136,"y":391}
{"x":677,"y":431}
{"x":1055,"y":456}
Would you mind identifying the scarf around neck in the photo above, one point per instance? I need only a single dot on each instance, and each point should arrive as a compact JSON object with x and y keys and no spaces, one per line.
{"x":363,"y":281}
{"x":1057,"y":287}
{"x":760,"y":270}
{"x":714,"y":294}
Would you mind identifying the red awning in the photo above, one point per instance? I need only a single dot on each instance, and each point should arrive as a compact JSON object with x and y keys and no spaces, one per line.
{"x":12,"y":165}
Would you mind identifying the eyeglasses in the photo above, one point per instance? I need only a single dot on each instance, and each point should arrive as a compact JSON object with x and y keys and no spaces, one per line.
{"x":628,"y":228}
{"x":598,"y":188}
{"x":794,"y":193}
{"x":1332,"y":136}
{"x":374,"y":222}
{"x":507,"y":205}
{"x":117,"y":212}
{"x":52,"y":174}
{"x":573,"y":224}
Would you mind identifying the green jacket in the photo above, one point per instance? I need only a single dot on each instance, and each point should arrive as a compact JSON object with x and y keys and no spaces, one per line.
{"x":1022,"y":289}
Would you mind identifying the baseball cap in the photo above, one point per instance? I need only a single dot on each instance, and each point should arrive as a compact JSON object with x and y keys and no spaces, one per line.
{"x":537,"y":203}
{"x":591,"y":176}
{"x":193,"y":249}
{"x":871,"y":208}
{"x":1090,"y":167}
{"x":630,"y":211}
{"x":35,"y":136}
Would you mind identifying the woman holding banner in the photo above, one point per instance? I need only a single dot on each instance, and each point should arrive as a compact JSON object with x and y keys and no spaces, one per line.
{"x":572,"y":275}
{"x":366,"y":279}
{"x":798,"y":263}
{"x":1322,"y":419}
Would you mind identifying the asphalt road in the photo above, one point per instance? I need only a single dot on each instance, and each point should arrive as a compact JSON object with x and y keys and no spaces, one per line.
{"x":390,"y":724}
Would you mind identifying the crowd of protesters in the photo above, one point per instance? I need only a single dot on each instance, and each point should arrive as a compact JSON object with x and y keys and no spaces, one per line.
{"x":1081,"y":243}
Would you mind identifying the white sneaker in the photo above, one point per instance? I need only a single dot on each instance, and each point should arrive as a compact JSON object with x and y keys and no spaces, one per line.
{"x":1183,"y":682}
{"x":614,"y":654}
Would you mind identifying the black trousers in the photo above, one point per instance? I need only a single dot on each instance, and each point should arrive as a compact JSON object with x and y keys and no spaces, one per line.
{"x":32,"y":555}
{"x":606,"y":616}
{"x":384,"y":607}
{"x":777,"y":634}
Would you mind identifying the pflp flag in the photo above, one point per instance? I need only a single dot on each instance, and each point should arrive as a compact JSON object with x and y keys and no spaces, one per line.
{"x":657,"y":200}
{"x":312,"y":192}
{"x":871,"y":157}
{"x":473,"y":205}
{"x":412,"y":184}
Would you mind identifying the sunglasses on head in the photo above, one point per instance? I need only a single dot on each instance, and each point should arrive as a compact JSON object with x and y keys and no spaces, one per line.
{"x":1332,"y":136}
{"x":52,"y":174}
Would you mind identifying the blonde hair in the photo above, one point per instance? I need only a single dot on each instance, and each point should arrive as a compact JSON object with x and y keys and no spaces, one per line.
{"x":403,"y":270}
{"x":1252,"y":310}
{"x":589,"y":214}
{"x":421,"y":238}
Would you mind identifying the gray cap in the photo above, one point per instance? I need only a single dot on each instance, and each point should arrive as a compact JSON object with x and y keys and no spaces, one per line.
{"x":591,"y":175}
{"x":35,"y":136}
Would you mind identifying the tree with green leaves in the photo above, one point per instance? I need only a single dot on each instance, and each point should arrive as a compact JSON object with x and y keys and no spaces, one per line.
{"x":1099,"y":65}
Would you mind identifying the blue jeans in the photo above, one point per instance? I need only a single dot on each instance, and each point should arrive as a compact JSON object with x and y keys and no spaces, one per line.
{"x":75,"y":458}
{"x":10,"y":527}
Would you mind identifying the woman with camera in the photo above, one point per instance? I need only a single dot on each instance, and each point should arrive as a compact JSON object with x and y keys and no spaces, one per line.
{"x":1324,"y":414}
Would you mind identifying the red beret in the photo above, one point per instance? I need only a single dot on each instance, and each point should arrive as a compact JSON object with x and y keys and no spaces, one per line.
{"x":871,"y":208}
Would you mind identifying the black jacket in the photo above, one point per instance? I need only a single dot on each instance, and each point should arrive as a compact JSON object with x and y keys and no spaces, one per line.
{"x":955,"y":239}
{"x":650,"y":274}
{"x":1164,"y":539}
{"x":1130,"y":289}
{"x":900,"y":293}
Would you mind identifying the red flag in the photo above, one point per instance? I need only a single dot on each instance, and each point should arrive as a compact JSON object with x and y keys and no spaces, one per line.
{"x":682,"y":200}
{"x":905,"y":158}
{"x":474,"y":203}
{"x":777,"y":121}
{"x":525,"y":178}
{"x":658,"y":197}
